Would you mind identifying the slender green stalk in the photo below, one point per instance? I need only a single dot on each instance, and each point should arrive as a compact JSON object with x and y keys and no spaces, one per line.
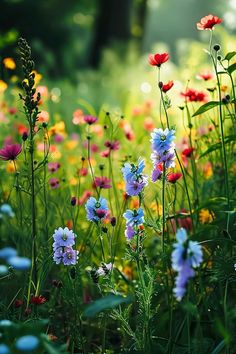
{"x":163,"y":208}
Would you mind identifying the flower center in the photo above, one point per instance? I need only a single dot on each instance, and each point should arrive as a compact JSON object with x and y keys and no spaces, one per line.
{"x":64,"y":237}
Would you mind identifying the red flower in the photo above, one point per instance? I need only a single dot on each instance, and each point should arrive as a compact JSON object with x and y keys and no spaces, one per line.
{"x":102,"y":182}
{"x":194,"y":95}
{"x":37,"y":300}
{"x":158,"y":59}
{"x":208,"y":22}
{"x":173,"y":177}
{"x":10,"y":152}
{"x":187,"y":152}
{"x":167,"y":86}
{"x":18,"y":303}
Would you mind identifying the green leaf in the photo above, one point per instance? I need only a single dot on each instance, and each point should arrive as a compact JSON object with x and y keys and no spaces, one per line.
{"x":206,"y":107}
{"x":217,"y":146}
{"x":231,"y":68}
{"x":107,"y":302}
{"x":219,"y":347}
{"x":230,"y":55}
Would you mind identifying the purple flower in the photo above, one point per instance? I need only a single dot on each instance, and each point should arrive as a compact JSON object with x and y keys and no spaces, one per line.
{"x":96,"y":209}
{"x":58,"y":254}
{"x":182,"y":279}
{"x":157,"y":172}
{"x":10,"y":152}
{"x":134,"y":217}
{"x":64,"y":237}
{"x":90,"y":119}
{"x":129,"y":232}
{"x":70,"y":256}
{"x":104,"y":269}
{"x":102,"y":182}
{"x":168,"y":157}
{"x":135,"y":180}
{"x":134,"y":187}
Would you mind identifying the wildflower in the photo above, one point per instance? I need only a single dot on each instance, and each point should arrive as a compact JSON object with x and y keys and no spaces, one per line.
{"x":149,"y":124}
{"x":105,"y":269}
{"x":84,"y":197}
{"x":3,"y":86}
{"x":129,"y":232}
{"x":96,"y":210}
{"x":19,"y":263}
{"x":205,"y":75}
{"x":105,"y":153}
{"x":194,"y":95}
{"x":6,"y":210}
{"x":134,"y":179}
{"x":54,"y":182}
{"x":162,"y":140}
{"x":112,"y":145}
{"x":10,"y":152}
{"x":188,"y":152}
{"x":167,"y":86}
{"x":206,"y":216}
{"x":185,"y":256}
{"x":27,"y":343}
{"x":73,"y":201}
{"x":53,"y":166}
{"x":90,"y":119}
{"x":70,"y":256}
{"x":168,"y":157}
{"x":18,"y":303}
{"x":38,"y":300}
{"x":12,"y":110}
{"x":4,"y":349}
{"x":173,"y":177}
{"x":184,"y":222}
{"x":113,"y":221}
{"x":208,"y":22}
{"x":9,"y":63}
{"x":63,"y":237}
{"x":158,"y":59}
{"x":102,"y":182}
{"x":134,"y":217}
{"x":157,"y":172}
{"x":7,"y":252}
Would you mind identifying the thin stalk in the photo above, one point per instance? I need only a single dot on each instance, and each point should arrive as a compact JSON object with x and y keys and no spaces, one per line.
{"x":163,"y":208}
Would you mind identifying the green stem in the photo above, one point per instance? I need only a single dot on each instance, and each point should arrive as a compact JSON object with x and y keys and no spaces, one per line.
{"x":163,"y":208}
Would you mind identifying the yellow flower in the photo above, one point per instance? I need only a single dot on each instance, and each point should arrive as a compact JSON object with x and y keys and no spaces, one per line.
{"x":9,"y":63}
{"x":207,"y":170}
{"x":73,"y":181}
{"x":3,"y":86}
{"x":58,"y":128}
{"x":206,"y":216}
{"x":71,"y":144}
{"x":10,"y":167}
{"x":37,"y":77}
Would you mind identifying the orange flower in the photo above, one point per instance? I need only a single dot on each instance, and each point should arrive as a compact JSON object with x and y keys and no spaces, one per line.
{"x":149,"y":124}
{"x":208,"y":22}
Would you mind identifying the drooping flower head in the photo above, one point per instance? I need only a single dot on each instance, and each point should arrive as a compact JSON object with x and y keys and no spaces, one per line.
{"x":10,"y":152}
{"x":96,"y":209}
{"x":158,"y":59}
{"x":165,"y":88}
{"x":208,"y":22}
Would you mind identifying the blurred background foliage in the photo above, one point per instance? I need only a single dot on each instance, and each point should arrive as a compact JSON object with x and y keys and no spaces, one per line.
{"x":93,"y":48}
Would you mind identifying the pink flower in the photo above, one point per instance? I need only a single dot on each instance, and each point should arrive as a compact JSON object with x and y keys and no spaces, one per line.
{"x":10,"y":152}
{"x":54,"y":182}
{"x":102,"y":182}
{"x":53,"y":166}
{"x":208,"y":22}
{"x":112,"y":145}
{"x":90,"y":119}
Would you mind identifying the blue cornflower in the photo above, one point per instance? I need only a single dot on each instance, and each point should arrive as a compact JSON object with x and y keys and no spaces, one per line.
{"x":185,"y":256}
{"x":168,"y":157}
{"x":4,"y":349}
{"x":135,"y":186}
{"x":19,"y":263}
{"x":70,"y":256}
{"x":162,"y":140}
{"x":27,"y":343}
{"x":134,"y":217}
{"x":96,"y":210}
{"x":63,"y":237}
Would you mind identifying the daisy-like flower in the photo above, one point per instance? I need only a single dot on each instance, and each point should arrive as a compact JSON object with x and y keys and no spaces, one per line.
{"x":63,"y":237}
{"x":10,"y":152}
{"x":96,"y":209}
{"x":102,"y":182}
{"x":134,"y":217}
{"x":70,"y":256}
{"x":208,"y":22}
{"x":158,"y":59}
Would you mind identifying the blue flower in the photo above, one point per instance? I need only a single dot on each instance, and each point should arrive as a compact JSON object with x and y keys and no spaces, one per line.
{"x":27,"y":343}
{"x":4,"y":349}
{"x":134,"y":217}
{"x":185,"y":256}
{"x":129,"y":232}
{"x":162,"y":140}
{"x":132,"y":170}
{"x":63,"y":237}
{"x":134,"y":179}
{"x":3,"y":270}
{"x":19,"y":263}
{"x":96,"y":210}
{"x":7,"y":210}
{"x":135,"y":186}
{"x":70,"y":256}
{"x":7,"y":252}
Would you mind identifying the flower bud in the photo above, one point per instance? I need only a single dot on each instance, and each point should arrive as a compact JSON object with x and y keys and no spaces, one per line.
{"x":216,"y":47}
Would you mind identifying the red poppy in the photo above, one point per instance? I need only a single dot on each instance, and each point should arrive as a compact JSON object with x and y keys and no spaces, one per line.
{"x":194,"y":95}
{"x":208,"y":22}
{"x":158,"y":59}
{"x":10,"y":152}
{"x":173,"y":177}
{"x":37,"y":300}
{"x":167,"y":86}
{"x":187,"y":152}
